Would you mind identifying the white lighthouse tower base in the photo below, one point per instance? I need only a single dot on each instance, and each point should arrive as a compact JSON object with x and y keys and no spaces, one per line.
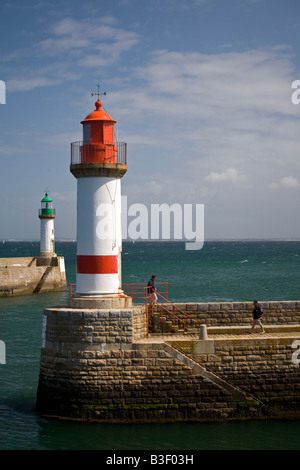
{"x":47,"y":238}
{"x":103,"y":301}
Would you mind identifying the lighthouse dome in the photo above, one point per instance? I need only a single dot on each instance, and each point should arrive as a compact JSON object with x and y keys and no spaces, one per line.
{"x":46,"y":198}
{"x":98,"y":114}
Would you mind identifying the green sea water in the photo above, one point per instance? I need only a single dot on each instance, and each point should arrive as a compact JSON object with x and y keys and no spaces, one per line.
{"x":221,"y":271}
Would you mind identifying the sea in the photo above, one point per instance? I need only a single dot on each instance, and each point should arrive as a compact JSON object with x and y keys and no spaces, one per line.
{"x":221,"y":271}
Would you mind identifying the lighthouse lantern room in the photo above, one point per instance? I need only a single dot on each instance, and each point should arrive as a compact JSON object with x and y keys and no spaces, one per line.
{"x":98,"y":163}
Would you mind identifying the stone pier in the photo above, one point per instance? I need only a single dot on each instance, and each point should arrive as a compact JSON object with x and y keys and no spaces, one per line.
{"x":107,"y":365}
{"x":32,"y":275}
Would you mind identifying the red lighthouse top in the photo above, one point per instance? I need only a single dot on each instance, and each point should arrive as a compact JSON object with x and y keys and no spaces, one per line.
{"x":98,"y":114}
{"x":98,"y":127}
{"x":98,"y":151}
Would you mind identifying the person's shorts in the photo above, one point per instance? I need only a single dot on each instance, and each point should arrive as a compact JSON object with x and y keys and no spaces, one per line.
{"x":153,"y":297}
{"x":256,"y":321}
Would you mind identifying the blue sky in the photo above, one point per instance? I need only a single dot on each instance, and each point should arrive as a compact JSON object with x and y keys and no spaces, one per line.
{"x":201,"y":91}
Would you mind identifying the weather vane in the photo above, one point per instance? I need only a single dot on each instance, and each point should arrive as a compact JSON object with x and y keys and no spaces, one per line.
{"x":98,"y":92}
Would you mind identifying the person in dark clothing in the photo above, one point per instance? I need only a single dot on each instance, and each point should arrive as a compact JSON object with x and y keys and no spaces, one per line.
{"x":257,"y":313}
{"x":152,"y":290}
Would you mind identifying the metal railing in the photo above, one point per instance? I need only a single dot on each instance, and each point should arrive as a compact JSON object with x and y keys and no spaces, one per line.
{"x":175,"y":313}
{"x":139,"y":291}
{"x":109,"y":152}
{"x":71,"y":290}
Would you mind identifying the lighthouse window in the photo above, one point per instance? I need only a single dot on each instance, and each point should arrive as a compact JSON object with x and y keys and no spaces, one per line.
{"x":87,"y":134}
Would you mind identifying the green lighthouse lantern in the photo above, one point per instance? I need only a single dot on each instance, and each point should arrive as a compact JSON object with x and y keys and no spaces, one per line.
{"x":46,"y":206}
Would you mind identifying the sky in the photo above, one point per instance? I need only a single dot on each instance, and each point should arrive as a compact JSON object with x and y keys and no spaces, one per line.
{"x":201,"y":91}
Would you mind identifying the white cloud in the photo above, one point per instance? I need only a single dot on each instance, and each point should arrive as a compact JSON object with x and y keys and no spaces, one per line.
{"x":65,"y":196}
{"x":30,"y":83}
{"x":213,"y":119}
{"x":88,"y":39}
{"x":154,"y":187}
{"x":286,"y":182}
{"x":231,"y":174}
{"x":192,"y":120}
{"x":226,"y":110}
{"x":71,"y":46}
{"x":252,"y":80}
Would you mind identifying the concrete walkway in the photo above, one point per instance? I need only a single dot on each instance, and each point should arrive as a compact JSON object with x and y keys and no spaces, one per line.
{"x":226,"y":333}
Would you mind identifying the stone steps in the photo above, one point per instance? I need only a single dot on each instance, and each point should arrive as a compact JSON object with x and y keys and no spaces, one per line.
{"x":198,"y":369}
{"x":43,"y":280}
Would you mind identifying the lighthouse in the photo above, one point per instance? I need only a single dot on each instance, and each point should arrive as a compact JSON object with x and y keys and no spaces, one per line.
{"x":100,"y":321}
{"x":47,"y":216}
{"x":98,"y":163}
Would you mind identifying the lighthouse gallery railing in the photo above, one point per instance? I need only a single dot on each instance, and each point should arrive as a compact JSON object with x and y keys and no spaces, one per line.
{"x":110,"y":152}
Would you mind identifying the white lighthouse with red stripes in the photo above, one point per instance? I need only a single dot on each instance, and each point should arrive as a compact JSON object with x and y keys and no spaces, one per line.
{"x":98,"y":163}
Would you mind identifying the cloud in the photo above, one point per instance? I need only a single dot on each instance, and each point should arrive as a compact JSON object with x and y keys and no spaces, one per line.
{"x":30,"y":83}
{"x":88,"y":40}
{"x":225,"y":110}
{"x":192,"y":120}
{"x":231,"y":174}
{"x":232,"y":80}
{"x":286,"y":182}
{"x":68,"y":50}
{"x":206,"y":120}
{"x":237,"y":97}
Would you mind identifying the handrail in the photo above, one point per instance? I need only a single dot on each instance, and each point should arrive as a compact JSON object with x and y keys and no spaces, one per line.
{"x":108,"y":152}
{"x":173,"y":305}
{"x":71,"y":290}
{"x":139,"y":290}
{"x":171,"y":313}
{"x":134,"y":290}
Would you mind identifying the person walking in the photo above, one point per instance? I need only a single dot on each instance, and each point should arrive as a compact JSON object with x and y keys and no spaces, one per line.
{"x":152,"y":290}
{"x":257,"y":313}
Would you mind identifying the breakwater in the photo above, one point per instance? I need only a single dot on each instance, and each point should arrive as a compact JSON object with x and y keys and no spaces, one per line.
{"x":29,"y":275}
{"x":127,"y":365}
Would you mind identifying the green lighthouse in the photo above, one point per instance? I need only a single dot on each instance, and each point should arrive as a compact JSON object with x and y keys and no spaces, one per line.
{"x":47,"y":216}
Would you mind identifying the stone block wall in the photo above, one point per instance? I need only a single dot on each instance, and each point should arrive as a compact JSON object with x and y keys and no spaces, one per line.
{"x":139,"y":323}
{"x":233,"y":314}
{"x":263,"y":368}
{"x":97,"y":364}
{"x":91,"y":369}
{"x":19,"y":276}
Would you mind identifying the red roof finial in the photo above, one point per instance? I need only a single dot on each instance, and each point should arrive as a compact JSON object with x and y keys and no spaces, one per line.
{"x":98,"y":105}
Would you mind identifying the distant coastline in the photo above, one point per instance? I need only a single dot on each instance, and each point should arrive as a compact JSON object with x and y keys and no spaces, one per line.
{"x":67,"y":240}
